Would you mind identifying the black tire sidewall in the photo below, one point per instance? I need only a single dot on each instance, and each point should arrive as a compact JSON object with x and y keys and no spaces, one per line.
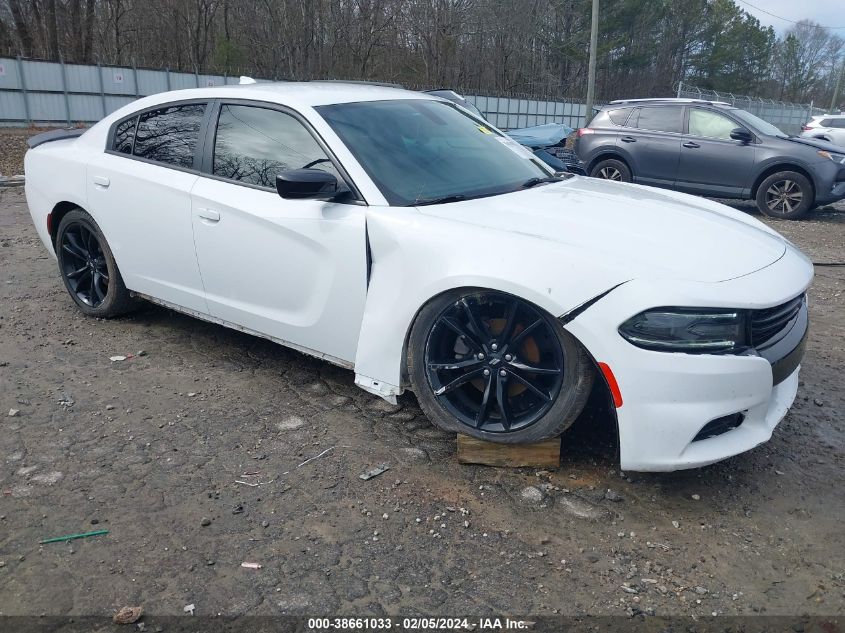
{"x":577,"y":380}
{"x":808,"y":195}
{"x":115,"y":287}
{"x":616,"y":164}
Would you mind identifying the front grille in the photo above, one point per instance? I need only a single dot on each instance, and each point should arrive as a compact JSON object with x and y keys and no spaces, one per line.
{"x":765,"y":324}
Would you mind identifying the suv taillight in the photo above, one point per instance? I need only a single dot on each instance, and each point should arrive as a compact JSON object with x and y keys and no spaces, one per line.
{"x":806,"y":128}
{"x":585,"y":130}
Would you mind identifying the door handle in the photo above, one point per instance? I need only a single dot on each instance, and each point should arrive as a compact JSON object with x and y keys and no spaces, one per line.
{"x":692,"y":145}
{"x":101,"y":181}
{"x":210,"y":215}
{"x":628,"y":139}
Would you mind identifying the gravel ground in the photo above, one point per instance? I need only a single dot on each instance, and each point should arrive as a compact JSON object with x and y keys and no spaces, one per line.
{"x":153,"y":448}
{"x":12,"y":149}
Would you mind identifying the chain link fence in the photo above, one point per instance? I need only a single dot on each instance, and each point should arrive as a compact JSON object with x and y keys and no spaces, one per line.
{"x":789,"y":117}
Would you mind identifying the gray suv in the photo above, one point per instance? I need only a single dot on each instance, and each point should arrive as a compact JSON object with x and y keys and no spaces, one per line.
{"x":711,"y":149}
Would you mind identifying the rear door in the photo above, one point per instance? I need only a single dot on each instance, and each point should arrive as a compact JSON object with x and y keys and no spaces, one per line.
{"x":653,"y":141}
{"x":712,"y":163}
{"x":139,"y":193}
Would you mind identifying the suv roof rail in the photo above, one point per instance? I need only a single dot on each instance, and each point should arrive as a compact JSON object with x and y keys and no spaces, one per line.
{"x":668,"y":100}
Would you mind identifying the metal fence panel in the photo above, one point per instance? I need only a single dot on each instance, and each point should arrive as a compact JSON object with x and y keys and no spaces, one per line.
{"x":82,"y":78}
{"x":53,"y":93}
{"x":11,"y":107}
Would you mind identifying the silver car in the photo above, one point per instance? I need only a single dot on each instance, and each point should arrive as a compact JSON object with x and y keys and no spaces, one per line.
{"x":828,"y":127}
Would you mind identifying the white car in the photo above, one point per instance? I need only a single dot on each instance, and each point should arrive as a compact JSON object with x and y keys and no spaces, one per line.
{"x":828,"y":127}
{"x":392,"y":233}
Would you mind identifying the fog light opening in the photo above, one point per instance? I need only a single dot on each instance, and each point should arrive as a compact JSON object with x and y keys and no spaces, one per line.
{"x":720,"y":426}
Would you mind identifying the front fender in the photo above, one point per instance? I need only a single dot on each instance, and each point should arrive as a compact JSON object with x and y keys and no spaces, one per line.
{"x":416,"y":257}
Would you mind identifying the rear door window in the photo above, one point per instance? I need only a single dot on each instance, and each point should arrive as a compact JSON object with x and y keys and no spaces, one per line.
{"x":124,"y":136}
{"x":169,"y":135}
{"x":658,"y":118}
{"x":838,"y":123}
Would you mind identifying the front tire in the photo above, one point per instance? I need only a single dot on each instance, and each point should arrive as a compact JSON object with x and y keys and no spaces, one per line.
{"x":611,"y":169}
{"x":787,"y":195}
{"x":88,"y":268}
{"x":495,"y":367}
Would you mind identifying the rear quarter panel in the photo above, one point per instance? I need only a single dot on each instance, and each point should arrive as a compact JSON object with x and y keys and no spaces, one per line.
{"x":55,"y":172}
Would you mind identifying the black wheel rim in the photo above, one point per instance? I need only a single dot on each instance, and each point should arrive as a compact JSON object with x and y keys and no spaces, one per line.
{"x":494,"y":362}
{"x":610,"y":173}
{"x":84,"y":265}
{"x":784,"y":196}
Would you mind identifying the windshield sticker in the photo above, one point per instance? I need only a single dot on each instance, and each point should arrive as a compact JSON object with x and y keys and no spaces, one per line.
{"x":484,"y":130}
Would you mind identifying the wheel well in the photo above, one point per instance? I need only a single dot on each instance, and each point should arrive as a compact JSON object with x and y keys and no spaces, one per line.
{"x":55,"y":218}
{"x":781,"y":167}
{"x":599,"y":402}
{"x":607,"y":156}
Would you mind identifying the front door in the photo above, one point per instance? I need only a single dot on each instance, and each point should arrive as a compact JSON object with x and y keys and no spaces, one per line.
{"x":294,"y":270}
{"x":712,"y":163}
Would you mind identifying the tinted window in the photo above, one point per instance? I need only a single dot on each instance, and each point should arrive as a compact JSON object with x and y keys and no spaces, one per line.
{"x":825,"y":122}
{"x":710,"y":124}
{"x":254,"y":144}
{"x":124,"y":135}
{"x":658,"y":118}
{"x":837,"y":123}
{"x":169,"y":135}
{"x":419,"y":151}
{"x":619,"y":116}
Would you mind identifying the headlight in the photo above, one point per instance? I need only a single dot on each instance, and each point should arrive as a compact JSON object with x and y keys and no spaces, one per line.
{"x":834,"y":156}
{"x":690,"y":330}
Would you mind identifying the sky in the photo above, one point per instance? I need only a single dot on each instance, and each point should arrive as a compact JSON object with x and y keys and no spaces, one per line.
{"x":825,"y":12}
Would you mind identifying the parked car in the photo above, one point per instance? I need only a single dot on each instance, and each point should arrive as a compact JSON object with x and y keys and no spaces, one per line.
{"x":826,"y":127}
{"x":388,"y":232}
{"x":548,"y":142}
{"x":712,"y":149}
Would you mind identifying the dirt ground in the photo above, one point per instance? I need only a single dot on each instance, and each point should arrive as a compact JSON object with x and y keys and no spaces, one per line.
{"x":153,"y":448}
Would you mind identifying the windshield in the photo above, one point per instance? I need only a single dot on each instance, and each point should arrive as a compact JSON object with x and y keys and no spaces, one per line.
{"x":419,"y":151}
{"x":764,"y":127}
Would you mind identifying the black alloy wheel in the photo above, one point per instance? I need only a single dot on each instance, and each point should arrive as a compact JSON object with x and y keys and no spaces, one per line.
{"x":494,"y":362}
{"x":88,"y":268}
{"x":84,"y":265}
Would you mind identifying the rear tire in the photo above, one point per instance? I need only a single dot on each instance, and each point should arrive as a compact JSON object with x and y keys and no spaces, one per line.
{"x":513,"y":337}
{"x":787,"y":195}
{"x":88,"y":268}
{"x":611,"y":169}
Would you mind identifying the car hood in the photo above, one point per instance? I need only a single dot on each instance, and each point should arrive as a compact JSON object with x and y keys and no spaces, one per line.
{"x":814,"y":143}
{"x":647,"y":232}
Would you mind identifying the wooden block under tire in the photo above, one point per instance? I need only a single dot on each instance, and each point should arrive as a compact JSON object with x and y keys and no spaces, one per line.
{"x":545,"y":454}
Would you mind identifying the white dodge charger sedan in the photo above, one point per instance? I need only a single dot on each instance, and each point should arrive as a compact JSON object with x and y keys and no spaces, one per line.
{"x":392,"y":233}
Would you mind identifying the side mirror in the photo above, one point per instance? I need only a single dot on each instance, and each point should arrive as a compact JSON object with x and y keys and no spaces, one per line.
{"x":741,"y":134}
{"x":298,"y":184}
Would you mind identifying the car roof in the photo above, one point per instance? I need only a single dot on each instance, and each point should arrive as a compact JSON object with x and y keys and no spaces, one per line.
{"x":297,"y":93}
